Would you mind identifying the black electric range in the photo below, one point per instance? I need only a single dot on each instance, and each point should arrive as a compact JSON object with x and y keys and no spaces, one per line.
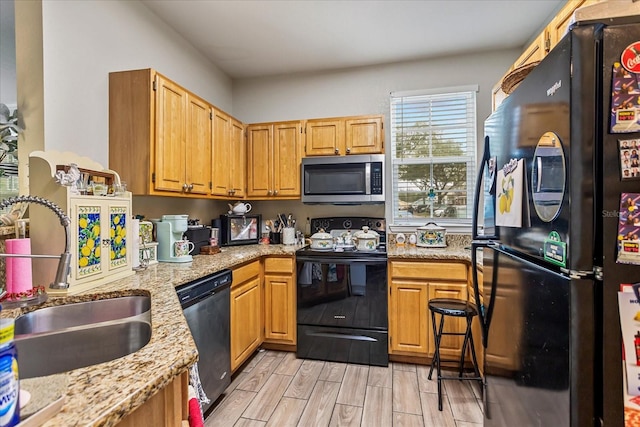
{"x":342,"y":297}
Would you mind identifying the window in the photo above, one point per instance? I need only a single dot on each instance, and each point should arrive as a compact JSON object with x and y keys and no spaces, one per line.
{"x":433,"y":155}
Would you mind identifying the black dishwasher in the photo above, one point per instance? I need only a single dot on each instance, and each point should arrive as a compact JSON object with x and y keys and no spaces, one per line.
{"x":206,"y":305}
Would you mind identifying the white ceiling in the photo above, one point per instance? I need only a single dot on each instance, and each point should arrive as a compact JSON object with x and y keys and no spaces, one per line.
{"x":253,"y":38}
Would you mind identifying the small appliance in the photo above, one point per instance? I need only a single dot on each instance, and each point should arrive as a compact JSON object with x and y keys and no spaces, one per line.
{"x":199,"y":235}
{"x":170,"y":230}
{"x":343,"y":180}
{"x":240,"y":229}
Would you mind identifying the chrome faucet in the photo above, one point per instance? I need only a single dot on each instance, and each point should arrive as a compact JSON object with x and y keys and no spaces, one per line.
{"x":60,"y":281}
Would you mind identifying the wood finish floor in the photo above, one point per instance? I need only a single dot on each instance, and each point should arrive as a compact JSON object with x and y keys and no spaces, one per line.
{"x":276,"y":389}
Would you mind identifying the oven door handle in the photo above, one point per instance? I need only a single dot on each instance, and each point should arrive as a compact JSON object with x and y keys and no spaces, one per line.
{"x":338,"y":260}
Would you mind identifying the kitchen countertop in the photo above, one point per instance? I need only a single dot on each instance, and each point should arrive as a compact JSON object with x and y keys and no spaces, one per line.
{"x":103,"y":394}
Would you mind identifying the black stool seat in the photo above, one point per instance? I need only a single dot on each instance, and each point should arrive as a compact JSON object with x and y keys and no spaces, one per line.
{"x":455,"y":308}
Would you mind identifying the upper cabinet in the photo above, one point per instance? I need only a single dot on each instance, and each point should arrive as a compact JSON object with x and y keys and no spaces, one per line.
{"x":541,"y":45}
{"x":159,"y":135}
{"x":229,"y":156}
{"x":344,"y":136}
{"x":274,"y":153}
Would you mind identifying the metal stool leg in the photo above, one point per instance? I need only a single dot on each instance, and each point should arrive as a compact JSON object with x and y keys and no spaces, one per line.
{"x":436,"y":357}
{"x":435,"y":339}
{"x":467,"y":334}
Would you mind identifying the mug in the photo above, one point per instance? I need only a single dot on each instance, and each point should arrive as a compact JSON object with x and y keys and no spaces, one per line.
{"x":183,"y":247}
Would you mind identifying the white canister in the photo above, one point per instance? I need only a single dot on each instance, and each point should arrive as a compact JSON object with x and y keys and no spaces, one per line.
{"x":289,"y":236}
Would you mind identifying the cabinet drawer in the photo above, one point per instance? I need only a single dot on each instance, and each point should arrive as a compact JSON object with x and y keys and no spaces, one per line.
{"x":278,"y":265}
{"x":246,"y":272}
{"x":429,"y":270}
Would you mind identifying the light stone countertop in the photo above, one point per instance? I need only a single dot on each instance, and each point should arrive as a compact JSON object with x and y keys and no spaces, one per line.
{"x":103,"y":394}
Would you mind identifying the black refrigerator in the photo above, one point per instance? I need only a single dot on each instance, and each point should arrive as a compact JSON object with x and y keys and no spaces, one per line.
{"x":550,"y":187}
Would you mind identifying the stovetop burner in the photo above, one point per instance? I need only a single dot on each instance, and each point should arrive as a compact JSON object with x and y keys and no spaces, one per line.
{"x":338,"y":225}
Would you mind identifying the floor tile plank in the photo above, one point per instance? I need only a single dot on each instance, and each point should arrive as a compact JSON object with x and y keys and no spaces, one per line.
{"x":380,"y":376}
{"x":346,"y":416}
{"x":377,"y":407}
{"x":333,"y":371}
{"x":432,"y":416}
{"x":406,"y":395}
{"x":245,"y":422}
{"x":305,"y":379}
{"x":230,"y":408}
{"x":404,"y":366}
{"x":354,"y":385}
{"x":424,"y":383}
{"x":268,"y":397}
{"x":407,"y":420}
{"x":259,"y":374}
{"x":320,"y":406}
{"x":289,"y":364}
{"x":287,"y":413}
{"x":464,"y":405}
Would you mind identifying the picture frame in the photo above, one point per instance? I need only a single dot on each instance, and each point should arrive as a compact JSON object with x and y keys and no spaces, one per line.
{"x":629,"y":155}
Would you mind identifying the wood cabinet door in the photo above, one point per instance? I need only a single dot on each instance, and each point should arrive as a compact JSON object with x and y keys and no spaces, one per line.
{"x":286,"y":159}
{"x":238,"y":155}
{"x":534,"y":52}
{"x":364,"y":135}
{"x":279,"y":308}
{"x":171,"y":111}
{"x":450,"y":346}
{"x":408,"y":318}
{"x":559,"y":24}
{"x":246,"y":320}
{"x":198,"y":146}
{"x":221,"y":165}
{"x":324,"y":137}
{"x":259,"y":160}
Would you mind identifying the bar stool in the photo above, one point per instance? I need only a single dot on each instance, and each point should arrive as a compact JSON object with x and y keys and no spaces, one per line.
{"x":456,"y":308}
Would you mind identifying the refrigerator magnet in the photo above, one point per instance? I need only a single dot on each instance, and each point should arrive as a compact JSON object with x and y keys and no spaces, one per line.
{"x":510,"y":188}
{"x":555,"y":250}
{"x":629,"y":229}
{"x":625,"y":98}
{"x":629,"y":158}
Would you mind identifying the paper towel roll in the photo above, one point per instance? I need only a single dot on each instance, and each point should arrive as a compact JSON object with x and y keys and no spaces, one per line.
{"x":19,"y":276}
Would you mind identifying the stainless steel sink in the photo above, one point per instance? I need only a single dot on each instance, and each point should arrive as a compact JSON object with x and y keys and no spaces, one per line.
{"x":81,"y":313}
{"x":62,"y":338}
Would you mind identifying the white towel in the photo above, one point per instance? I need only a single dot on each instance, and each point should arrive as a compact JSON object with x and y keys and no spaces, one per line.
{"x":305,"y":274}
{"x":194,"y":380}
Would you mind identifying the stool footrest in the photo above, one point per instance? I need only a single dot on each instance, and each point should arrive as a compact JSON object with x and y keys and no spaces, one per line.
{"x":461,"y":378}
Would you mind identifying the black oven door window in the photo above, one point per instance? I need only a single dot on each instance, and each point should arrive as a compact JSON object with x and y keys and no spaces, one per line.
{"x":342,"y":294}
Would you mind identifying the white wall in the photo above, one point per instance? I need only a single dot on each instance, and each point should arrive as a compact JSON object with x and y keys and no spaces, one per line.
{"x":85,"y":40}
{"x":362,"y":91}
{"x":7,"y":55}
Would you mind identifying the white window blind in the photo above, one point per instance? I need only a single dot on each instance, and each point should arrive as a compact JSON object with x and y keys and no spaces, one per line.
{"x":433,"y":155}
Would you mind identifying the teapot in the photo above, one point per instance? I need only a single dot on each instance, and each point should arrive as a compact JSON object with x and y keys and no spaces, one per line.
{"x":240,"y":208}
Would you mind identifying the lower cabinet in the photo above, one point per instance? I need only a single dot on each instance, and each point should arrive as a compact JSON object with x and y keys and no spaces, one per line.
{"x":411,"y":285}
{"x":279,"y":300}
{"x":169,"y":407}
{"x":246,"y":312}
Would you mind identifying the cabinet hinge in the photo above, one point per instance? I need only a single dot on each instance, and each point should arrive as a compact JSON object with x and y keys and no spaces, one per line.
{"x":154,"y":86}
{"x":210,"y":185}
{"x":547,"y":44}
{"x":210,"y":116}
{"x":153,"y":177}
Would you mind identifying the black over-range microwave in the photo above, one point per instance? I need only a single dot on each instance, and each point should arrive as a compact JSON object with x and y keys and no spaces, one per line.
{"x":354,"y":179}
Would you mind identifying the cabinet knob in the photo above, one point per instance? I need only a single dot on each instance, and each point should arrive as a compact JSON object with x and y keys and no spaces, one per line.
{"x":184,"y":187}
{"x":269,"y":192}
{"x":348,"y":150}
{"x":275,"y":192}
{"x":190,"y":187}
{"x":106,"y":242}
{"x":232,"y":191}
{"x":337,"y":151}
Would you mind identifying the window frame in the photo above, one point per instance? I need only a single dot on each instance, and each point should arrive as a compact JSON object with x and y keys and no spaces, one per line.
{"x":397,"y":224}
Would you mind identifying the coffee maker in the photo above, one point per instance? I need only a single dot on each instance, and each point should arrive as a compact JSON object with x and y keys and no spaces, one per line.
{"x":170,"y":230}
